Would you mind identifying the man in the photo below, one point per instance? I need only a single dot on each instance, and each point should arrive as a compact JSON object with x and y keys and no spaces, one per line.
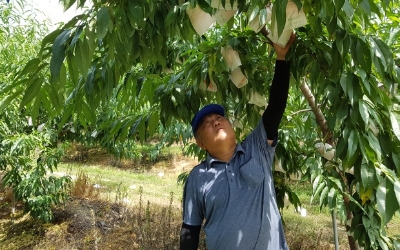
{"x":233,"y":191}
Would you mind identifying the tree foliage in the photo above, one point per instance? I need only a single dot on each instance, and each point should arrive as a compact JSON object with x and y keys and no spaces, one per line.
{"x":144,"y":59}
{"x":26,"y":153}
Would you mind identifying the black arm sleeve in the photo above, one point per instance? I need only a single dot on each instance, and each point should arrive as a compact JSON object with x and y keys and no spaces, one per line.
{"x":189,"y":239}
{"x":277,"y":99}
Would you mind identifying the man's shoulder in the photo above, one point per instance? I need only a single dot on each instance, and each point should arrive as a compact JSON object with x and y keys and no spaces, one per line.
{"x":197,"y":171}
{"x":199,"y":168}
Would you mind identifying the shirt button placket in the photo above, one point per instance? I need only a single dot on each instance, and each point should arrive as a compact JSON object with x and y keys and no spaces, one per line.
{"x":231,"y":174}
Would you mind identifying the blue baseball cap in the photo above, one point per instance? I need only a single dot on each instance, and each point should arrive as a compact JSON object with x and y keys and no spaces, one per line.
{"x":206,"y":110}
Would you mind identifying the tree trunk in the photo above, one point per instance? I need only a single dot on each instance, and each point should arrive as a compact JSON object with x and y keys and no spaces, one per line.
{"x":328,"y":136}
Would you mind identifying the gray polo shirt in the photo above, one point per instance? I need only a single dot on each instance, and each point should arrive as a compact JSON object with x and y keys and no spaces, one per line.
{"x":237,"y":199}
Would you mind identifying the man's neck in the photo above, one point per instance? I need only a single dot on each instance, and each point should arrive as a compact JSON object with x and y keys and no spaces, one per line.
{"x":224,"y":153}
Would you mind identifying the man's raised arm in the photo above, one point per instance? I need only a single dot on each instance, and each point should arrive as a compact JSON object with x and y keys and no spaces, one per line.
{"x":278,"y":93}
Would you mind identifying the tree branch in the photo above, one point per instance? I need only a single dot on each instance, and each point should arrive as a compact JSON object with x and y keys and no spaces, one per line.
{"x":320,"y":118}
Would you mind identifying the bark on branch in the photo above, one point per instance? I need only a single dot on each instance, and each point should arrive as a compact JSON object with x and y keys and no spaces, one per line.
{"x":320,"y":118}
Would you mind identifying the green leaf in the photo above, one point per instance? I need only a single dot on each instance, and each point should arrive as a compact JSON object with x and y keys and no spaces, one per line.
{"x":355,"y":202}
{"x":332,"y":197}
{"x":396,"y":186}
{"x":73,"y":22}
{"x":103,"y":18}
{"x":369,"y":7}
{"x":88,"y":112}
{"x":352,"y":143}
{"x":146,"y":93}
{"x":8,"y":99}
{"x":338,"y":5}
{"x":67,"y":4}
{"x":54,"y":96}
{"x":136,"y":15}
{"x":316,"y":182}
{"x":374,"y":145}
{"x":280,"y":15}
{"x":387,"y":202}
{"x":125,"y":128}
{"x":48,"y":40}
{"x":352,"y":153}
{"x":263,"y":15}
{"x":369,"y":177}
{"x":83,"y":56}
{"x":323,"y":196}
{"x":142,"y":130}
{"x":362,"y":55}
{"x":336,"y":61}
{"x":65,"y":116}
{"x":327,"y":13}
{"x":395,"y":125}
{"x":31,"y":92}
{"x":78,"y":33}
{"x":172,"y":17}
{"x":109,"y":82}
{"x":318,"y":191}
{"x":332,"y":24}
{"x":90,"y":84}
{"x":396,"y":244}
{"x":364,"y":4}
{"x":254,"y":13}
{"x":58,"y":54}
{"x":63,"y":79}
{"x":30,"y":67}
{"x":342,"y":111}
{"x":73,"y":67}
{"x":383,"y":52}
{"x":338,"y":43}
{"x":346,"y":82}
{"x":153,"y":122}
{"x":90,"y":39}
{"x":363,"y":109}
{"x":35,"y":107}
{"x":336,"y":182}
{"x":135,"y":128}
{"x":113,"y":129}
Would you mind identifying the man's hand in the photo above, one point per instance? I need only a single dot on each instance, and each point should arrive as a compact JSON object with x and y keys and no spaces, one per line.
{"x":281,"y":51}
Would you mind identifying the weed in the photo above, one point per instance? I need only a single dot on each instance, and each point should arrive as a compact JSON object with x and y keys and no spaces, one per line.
{"x":121,"y":193}
{"x":159,"y":227}
{"x":90,"y":221}
{"x":94,"y":230}
{"x":83,"y":188}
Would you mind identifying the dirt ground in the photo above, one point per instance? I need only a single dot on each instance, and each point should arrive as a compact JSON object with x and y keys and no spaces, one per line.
{"x":89,"y":223}
{"x":96,"y":224}
{"x":92,"y":223}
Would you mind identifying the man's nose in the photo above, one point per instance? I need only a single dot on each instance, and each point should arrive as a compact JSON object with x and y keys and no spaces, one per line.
{"x":216,"y":122}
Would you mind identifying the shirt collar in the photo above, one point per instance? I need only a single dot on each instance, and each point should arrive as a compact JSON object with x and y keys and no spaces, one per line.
{"x":210,"y":159}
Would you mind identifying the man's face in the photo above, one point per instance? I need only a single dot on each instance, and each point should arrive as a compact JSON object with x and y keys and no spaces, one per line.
{"x":214,"y":131}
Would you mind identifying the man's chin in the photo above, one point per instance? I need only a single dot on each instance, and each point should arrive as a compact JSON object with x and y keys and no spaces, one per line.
{"x":223,"y":137}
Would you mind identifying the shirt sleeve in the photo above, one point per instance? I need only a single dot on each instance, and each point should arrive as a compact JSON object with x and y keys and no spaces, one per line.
{"x":192,"y":209}
{"x":278,"y":94}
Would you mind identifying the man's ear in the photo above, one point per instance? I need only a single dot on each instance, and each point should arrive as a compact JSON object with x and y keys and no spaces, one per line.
{"x":200,"y":144}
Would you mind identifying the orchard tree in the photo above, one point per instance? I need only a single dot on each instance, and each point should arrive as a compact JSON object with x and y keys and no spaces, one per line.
{"x":25,"y":156}
{"x":147,"y":60}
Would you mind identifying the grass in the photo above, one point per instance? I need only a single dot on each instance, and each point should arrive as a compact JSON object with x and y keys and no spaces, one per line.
{"x":130,"y":205}
{"x":116,"y":184}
